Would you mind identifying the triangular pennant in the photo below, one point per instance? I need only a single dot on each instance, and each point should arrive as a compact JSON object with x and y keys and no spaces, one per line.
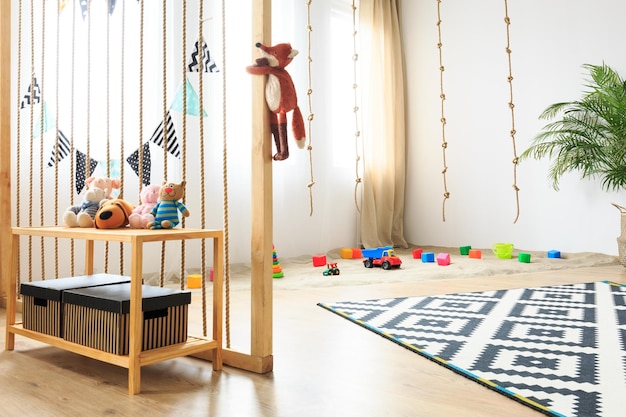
{"x":193,"y":102}
{"x":61,"y":152}
{"x":84,"y":8}
{"x":112,"y":6}
{"x":48,"y":123}
{"x":146,"y":163}
{"x":81,"y":169}
{"x":33,"y":95}
{"x":208,"y":64}
{"x":171,"y":142}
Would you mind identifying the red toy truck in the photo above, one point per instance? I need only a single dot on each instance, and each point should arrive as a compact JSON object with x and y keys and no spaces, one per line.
{"x":384,"y":257}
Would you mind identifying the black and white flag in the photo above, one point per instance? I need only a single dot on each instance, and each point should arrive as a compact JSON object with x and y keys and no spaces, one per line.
{"x":81,"y":170}
{"x":60,"y":152}
{"x":171,"y":144}
{"x":208,"y":63}
{"x":146,"y":163}
{"x":33,"y":95}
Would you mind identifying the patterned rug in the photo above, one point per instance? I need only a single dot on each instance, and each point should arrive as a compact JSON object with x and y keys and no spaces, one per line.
{"x":558,"y":349}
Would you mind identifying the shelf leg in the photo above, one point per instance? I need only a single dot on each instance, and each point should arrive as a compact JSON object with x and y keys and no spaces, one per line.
{"x":135,"y":331}
{"x":11,"y":293}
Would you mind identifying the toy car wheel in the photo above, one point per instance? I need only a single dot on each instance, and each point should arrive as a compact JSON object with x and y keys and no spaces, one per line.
{"x":386,"y":265}
{"x":368,"y":263}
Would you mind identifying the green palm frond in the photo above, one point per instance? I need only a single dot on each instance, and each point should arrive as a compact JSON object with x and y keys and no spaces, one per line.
{"x":587,"y":135}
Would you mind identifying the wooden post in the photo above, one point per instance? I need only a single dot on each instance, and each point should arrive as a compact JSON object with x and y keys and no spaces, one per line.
{"x":262,"y":197}
{"x":5,"y":145}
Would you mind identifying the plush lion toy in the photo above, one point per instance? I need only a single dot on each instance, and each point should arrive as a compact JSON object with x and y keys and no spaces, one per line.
{"x":280,"y":95}
{"x":166,"y":210}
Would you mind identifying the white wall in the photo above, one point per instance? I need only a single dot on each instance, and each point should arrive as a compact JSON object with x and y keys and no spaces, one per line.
{"x":550,"y":41}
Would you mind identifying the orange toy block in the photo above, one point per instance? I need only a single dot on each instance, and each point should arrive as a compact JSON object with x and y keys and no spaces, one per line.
{"x":319,"y":260}
{"x":475,"y":253}
{"x":346,"y":253}
{"x":356,"y":253}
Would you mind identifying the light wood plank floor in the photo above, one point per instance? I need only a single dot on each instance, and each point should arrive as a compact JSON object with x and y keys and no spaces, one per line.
{"x":323,"y":366}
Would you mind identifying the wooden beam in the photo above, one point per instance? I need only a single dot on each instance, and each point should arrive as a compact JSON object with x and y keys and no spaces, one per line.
{"x":262,"y":196}
{"x":5,"y":145}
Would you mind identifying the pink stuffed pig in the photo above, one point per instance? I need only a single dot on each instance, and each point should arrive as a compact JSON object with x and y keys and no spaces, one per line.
{"x":141,"y":216}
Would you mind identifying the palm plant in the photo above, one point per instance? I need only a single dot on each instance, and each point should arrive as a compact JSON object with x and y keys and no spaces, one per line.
{"x":590,"y":135}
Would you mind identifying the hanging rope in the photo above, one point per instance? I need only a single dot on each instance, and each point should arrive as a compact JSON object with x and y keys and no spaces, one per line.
{"x":164,"y":103}
{"x":108,"y":120}
{"x":56,"y":139}
{"x":122,"y":120}
{"x":72,"y":124}
{"x":309,"y":93}
{"x":18,"y":187}
{"x":357,"y":131}
{"x":41,"y":132}
{"x":225,"y":182}
{"x":31,"y":133}
{"x":507,"y":21}
{"x":442,"y":96}
{"x":184,"y":122}
{"x":202,"y":179}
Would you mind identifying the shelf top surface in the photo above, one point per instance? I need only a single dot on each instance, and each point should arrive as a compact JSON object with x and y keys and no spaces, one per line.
{"x":123,"y":234}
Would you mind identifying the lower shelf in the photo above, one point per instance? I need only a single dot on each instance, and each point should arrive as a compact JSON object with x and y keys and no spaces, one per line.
{"x":192,"y":346}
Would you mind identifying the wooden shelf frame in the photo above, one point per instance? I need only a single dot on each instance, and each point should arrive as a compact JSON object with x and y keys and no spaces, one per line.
{"x":136,"y":237}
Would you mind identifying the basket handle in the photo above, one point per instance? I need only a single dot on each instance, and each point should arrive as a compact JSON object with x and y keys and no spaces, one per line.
{"x":620,"y":208}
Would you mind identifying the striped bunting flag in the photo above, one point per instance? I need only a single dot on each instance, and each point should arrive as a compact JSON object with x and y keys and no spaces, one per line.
{"x":172,"y":141}
{"x":208,"y":63}
{"x":61,"y":152}
{"x":33,"y":95}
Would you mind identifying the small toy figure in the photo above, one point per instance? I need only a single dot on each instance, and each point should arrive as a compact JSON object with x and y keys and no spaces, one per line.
{"x":331,"y":269}
{"x":165,"y":211}
{"x":280,"y":95}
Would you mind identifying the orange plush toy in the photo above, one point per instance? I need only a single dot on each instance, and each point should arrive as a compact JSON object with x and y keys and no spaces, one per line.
{"x":280,"y":95}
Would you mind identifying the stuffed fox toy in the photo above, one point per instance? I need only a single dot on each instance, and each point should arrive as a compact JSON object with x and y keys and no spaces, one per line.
{"x":280,"y":95}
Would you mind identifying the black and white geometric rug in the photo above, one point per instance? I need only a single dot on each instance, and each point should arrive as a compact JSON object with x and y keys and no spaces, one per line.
{"x":558,"y":349}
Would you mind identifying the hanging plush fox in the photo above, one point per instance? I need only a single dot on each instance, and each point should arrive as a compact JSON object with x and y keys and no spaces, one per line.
{"x":280,"y":95}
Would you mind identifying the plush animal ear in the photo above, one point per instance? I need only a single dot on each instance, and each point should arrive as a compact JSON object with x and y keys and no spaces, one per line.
{"x":89,"y":180}
{"x":116,"y":183}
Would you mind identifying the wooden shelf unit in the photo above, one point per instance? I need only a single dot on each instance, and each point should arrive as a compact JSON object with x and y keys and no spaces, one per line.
{"x":136,"y":237}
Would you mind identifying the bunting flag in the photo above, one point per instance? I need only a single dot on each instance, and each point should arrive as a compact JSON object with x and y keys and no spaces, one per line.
{"x":193,"y":102}
{"x":146,"y":163}
{"x":81,"y":169}
{"x":112,"y":6}
{"x":172,"y":141}
{"x":61,"y":152}
{"x":84,"y":8}
{"x":33,"y":95}
{"x":208,"y":63}
{"x":48,"y":123}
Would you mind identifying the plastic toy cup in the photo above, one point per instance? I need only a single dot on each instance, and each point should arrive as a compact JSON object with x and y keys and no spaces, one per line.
{"x":464,"y":250}
{"x":502,"y":250}
{"x":194,"y":281}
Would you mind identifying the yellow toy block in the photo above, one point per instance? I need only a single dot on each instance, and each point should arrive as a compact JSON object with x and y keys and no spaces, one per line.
{"x":346,"y":253}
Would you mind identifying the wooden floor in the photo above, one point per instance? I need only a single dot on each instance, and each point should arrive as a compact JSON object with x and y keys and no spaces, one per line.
{"x":323,"y":366}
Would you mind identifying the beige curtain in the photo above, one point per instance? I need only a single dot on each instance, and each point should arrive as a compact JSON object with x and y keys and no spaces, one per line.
{"x":383,"y":126}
